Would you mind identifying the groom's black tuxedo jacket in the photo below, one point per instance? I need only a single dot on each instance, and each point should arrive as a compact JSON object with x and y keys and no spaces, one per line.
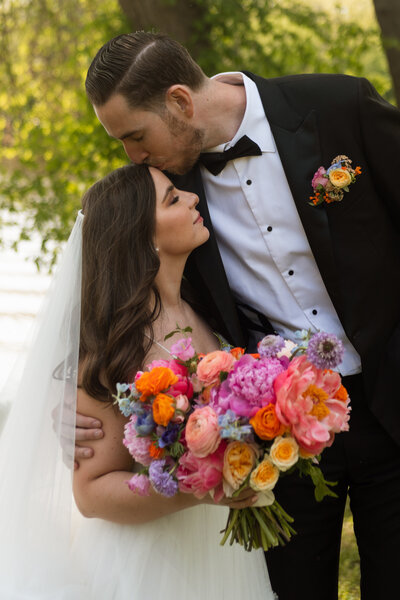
{"x":354,"y":242}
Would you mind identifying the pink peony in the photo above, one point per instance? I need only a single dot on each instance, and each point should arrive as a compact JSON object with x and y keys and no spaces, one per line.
{"x":309,"y":402}
{"x":139,"y":484}
{"x":202,"y":432}
{"x":212,"y":364}
{"x":249,"y":386}
{"x":137,"y":446}
{"x":183,"y":349}
{"x":319,"y":178}
{"x":200,"y":475}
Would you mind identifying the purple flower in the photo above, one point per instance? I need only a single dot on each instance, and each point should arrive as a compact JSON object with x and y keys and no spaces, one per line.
{"x":183,"y":349}
{"x":325,"y":350}
{"x":161,"y":480}
{"x":270,"y":345}
{"x":139,"y":484}
{"x":169,"y":436}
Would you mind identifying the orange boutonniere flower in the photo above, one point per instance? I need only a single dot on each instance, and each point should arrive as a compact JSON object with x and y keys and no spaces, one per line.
{"x":330,"y":185}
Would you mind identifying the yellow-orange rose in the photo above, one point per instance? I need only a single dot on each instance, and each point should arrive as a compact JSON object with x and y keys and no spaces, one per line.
{"x":163,"y":409}
{"x":339,"y":177}
{"x":284,"y":452}
{"x":157,"y":380}
{"x":239,"y":460}
{"x":266,"y":424}
{"x":265,"y":476}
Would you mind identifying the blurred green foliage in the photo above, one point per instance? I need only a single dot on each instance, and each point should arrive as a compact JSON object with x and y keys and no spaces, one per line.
{"x":52,"y":147}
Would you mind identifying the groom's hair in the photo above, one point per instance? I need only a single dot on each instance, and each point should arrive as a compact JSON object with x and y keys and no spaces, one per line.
{"x":141,"y":67}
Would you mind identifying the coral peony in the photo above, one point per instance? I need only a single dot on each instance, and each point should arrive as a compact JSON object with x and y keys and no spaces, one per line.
{"x":306,"y":402}
{"x":198,"y":476}
{"x":212,"y":364}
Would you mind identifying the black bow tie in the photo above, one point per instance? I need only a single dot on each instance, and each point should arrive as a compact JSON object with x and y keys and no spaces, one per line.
{"x":216,"y":161}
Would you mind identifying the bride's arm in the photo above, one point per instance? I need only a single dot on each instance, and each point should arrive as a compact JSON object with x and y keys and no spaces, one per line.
{"x":99,"y":484}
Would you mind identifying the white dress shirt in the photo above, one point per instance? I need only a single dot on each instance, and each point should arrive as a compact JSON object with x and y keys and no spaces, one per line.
{"x":263,"y":245}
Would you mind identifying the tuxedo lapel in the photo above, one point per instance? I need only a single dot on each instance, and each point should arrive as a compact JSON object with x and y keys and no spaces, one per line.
{"x":297,"y":140}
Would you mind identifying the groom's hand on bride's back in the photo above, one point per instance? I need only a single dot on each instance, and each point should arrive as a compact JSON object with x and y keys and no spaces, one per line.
{"x":86,"y":429}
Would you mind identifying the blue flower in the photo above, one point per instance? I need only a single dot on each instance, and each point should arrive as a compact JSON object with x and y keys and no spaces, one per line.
{"x":231,"y":427}
{"x":126,"y":407}
{"x":145,"y":424}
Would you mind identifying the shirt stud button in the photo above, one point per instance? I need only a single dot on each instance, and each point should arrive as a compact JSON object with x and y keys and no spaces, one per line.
{"x":249,"y":182}
{"x":314,"y":312}
{"x":291,"y":272}
{"x":269,"y":228}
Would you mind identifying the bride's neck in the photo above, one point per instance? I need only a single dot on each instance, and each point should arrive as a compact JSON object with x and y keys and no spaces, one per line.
{"x":168,"y":282}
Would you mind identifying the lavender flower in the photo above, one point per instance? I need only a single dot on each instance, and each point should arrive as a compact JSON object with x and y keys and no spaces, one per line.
{"x":270,"y":345}
{"x":161,"y":480}
{"x":325,"y":350}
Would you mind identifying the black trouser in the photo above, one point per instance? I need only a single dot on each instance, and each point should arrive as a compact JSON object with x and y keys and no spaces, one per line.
{"x":366,"y":464}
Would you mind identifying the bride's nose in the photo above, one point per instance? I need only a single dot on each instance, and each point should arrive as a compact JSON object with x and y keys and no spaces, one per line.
{"x":194,"y":200}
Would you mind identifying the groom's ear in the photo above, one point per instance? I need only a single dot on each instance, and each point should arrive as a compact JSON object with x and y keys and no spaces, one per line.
{"x":179,"y":101}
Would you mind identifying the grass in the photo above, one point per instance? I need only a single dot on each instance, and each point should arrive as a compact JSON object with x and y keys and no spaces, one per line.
{"x":349,"y":571}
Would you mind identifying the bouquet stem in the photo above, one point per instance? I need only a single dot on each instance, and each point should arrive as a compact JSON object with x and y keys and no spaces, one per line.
{"x":264,"y":527}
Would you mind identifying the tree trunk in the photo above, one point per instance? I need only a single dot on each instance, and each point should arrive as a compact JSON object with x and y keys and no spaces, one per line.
{"x":388,"y":16}
{"x":179,"y":19}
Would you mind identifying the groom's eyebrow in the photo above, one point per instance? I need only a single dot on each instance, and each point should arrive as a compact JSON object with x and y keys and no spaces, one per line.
{"x":167,"y":192}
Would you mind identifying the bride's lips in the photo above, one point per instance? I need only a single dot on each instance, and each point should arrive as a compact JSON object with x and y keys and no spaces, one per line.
{"x":199,"y":219}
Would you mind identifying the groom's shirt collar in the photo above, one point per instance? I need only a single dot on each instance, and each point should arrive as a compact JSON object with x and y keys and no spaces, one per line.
{"x":254,"y":124}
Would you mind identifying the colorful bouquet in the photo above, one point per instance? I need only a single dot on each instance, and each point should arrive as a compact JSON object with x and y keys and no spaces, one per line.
{"x":227,"y":420}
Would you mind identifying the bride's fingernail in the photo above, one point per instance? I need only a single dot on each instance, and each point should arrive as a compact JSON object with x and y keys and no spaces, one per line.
{"x":96,"y":424}
{"x":98,"y":433}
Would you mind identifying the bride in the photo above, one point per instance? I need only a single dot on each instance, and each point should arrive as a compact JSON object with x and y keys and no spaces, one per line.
{"x":136,"y":234}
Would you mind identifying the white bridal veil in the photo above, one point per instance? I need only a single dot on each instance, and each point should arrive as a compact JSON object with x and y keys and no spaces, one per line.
{"x":47,"y":550}
{"x":35,"y":468}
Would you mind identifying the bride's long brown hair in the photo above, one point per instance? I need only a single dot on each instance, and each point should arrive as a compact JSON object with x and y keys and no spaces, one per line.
{"x":119,"y":266}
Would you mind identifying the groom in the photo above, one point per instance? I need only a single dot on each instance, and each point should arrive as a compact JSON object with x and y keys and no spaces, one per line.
{"x":275,"y":262}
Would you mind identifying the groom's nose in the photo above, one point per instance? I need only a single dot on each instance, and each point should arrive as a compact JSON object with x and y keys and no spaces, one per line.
{"x":137,"y":155}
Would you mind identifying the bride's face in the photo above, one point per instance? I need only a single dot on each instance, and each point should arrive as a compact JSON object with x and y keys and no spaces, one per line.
{"x":179,"y":225}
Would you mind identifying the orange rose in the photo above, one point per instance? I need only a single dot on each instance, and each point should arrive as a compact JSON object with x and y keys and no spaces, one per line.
{"x":155,"y":381}
{"x":339,"y":178}
{"x":266,"y":424}
{"x":163,"y":409}
{"x":265,"y":476}
{"x":239,"y":460}
{"x":284,"y":452}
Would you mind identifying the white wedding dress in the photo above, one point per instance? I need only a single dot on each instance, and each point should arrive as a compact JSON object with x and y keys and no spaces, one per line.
{"x":48,"y":551}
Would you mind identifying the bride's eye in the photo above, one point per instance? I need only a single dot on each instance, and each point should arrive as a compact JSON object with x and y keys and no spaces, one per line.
{"x":174,"y":199}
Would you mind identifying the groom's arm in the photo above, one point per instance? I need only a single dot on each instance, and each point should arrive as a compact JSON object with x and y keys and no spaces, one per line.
{"x":88,"y":429}
{"x":380,"y":129}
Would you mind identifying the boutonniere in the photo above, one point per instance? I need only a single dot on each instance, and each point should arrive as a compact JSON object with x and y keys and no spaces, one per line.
{"x":330,"y":185}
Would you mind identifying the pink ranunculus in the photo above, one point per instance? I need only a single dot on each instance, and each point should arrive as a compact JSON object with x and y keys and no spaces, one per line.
{"x":183,"y":349}
{"x":198,"y":476}
{"x":319,"y":178}
{"x":212,"y":364}
{"x":137,"y":446}
{"x":305,"y":401}
{"x":202,"y":432}
{"x":138,"y":375}
{"x":182,"y":403}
